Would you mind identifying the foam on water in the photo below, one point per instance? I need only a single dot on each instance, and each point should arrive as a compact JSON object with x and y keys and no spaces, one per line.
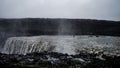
{"x":61,"y":44}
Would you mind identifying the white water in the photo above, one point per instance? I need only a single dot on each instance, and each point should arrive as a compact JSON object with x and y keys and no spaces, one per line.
{"x":61,"y":44}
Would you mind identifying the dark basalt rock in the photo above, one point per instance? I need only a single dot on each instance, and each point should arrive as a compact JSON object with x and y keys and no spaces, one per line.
{"x":58,"y":60}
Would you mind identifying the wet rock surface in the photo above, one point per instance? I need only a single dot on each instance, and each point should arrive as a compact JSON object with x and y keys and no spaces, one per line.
{"x":59,"y":60}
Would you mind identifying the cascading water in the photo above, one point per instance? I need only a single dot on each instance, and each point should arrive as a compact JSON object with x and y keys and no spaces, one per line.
{"x":17,"y":29}
{"x":65,"y":43}
{"x":61,"y":44}
{"x":23,"y":45}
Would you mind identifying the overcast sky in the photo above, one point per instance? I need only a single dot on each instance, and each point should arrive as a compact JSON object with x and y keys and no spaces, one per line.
{"x":90,"y":9}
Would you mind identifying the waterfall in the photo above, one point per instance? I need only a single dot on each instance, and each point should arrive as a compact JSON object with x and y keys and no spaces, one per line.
{"x":65,"y":44}
{"x":23,"y":45}
{"x":61,"y":44}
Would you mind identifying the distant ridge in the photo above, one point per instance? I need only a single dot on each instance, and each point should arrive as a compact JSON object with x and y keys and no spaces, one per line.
{"x":66,"y":18}
{"x":49,"y":26}
{"x":59,"y":18}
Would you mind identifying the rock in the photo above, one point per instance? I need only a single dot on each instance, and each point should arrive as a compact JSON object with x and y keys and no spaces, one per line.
{"x":58,"y":59}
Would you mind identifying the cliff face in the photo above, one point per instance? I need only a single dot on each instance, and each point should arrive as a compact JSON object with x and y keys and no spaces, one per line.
{"x":36,"y":26}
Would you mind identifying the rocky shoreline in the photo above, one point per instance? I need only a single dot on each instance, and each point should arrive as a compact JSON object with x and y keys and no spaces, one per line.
{"x":59,"y":60}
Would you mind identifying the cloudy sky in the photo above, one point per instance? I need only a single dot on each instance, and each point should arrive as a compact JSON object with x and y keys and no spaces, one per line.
{"x":88,"y":9}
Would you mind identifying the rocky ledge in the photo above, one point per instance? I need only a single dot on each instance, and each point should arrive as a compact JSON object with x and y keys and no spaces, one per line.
{"x":59,"y":60}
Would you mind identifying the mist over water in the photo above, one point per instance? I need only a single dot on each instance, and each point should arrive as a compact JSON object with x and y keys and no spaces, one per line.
{"x":64,"y":45}
{"x":64,"y":27}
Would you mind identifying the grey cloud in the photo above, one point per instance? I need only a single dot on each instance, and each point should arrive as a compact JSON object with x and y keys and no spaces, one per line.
{"x":94,"y":9}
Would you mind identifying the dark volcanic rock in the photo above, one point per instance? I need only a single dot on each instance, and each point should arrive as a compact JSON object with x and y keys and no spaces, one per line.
{"x":49,"y":59}
{"x":36,"y":26}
